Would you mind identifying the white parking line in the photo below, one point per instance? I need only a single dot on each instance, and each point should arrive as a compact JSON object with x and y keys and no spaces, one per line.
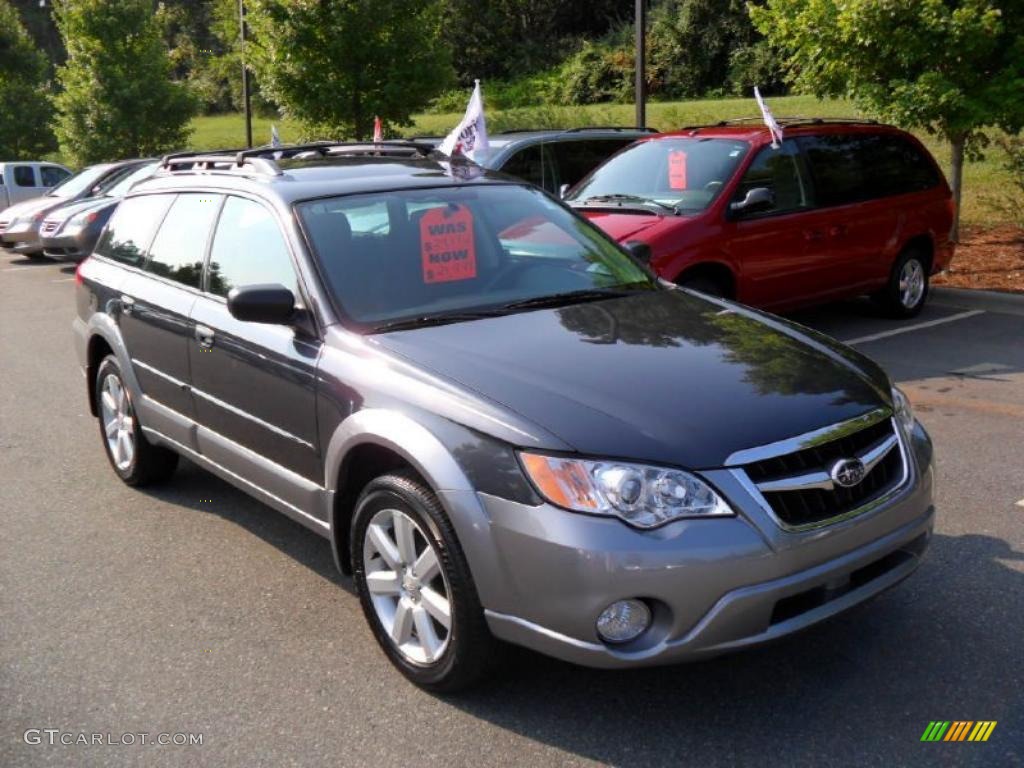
{"x":1020,"y":503}
{"x":17,"y":269}
{"x":63,"y":280}
{"x":915,"y":327}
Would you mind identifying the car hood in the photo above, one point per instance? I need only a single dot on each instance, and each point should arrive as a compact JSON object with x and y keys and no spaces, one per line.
{"x":29,"y":207}
{"x":626,"y":226}
{"x":665,"y":377}
{"x":65,"y":212}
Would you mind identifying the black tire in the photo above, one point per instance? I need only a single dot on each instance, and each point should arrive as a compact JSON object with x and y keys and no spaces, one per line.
{"x":34,"y":256}
{"x":470,"y":646}
{"x":895,"y":299}
{"x":704,"y":284}
{"x":148,"y":463}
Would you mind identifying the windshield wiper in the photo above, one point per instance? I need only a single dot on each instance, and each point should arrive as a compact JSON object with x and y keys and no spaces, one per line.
{"x":422,"y":321}
{"x":620,"y":198}
{"x":561,"y":299}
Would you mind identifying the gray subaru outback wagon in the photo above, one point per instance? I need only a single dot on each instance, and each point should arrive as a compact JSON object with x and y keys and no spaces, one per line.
{"x":503,"y":424}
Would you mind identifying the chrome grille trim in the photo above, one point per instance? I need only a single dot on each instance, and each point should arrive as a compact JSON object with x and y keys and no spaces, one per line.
{"x":823,"y":480}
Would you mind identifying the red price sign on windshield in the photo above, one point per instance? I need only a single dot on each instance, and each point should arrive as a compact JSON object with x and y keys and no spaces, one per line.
{"x":677,"y":169}
{"x":447,"y":247}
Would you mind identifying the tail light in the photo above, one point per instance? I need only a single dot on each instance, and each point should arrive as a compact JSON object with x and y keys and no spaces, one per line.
{"x":78,"y":271}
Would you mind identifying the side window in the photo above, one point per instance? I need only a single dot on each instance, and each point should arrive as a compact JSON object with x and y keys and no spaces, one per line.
{"x":897,"y":167}
{"x":777,"y":170}
{"x":24,"y":176}
{"x":52,"y":176}
{"x":578,"y":158}
{"x":838,"y":165}
{"x":248,"y":248}
{"x":180,"y":245}
{"x":131,"y":228}
{"x":533,"y":164}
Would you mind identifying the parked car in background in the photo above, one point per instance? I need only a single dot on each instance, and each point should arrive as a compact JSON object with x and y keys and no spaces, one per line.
{"x":26,"y":179}
{"x":70,"y":232}
{"x":501,"y":422}
{"x":555,"y":159}
{"x":19,"y":224}
{"x":839,"y":209}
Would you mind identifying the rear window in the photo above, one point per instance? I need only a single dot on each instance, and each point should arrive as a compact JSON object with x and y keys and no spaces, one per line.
{"x":854,"y":168}
{"x":52,"y":176}
{"x":180,"y":245}
{"x":686,"y":173}
{"x":458,"y":249}
{"x":24,"y":176}
{"x":130,"y":230}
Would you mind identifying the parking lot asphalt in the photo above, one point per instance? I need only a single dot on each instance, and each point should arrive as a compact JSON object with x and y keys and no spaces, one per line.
{"x":193,"y":608}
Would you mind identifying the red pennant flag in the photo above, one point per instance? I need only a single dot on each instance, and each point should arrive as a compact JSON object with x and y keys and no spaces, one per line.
{"x":378,"y":131}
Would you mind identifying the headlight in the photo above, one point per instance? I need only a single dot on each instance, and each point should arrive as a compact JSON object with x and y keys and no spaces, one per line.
{"x":901,"y":407}
{"x":641,"y":495}
{"x":79,"y":220}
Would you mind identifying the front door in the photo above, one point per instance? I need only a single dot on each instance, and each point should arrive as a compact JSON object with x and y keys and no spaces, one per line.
{"x":254,"y":385}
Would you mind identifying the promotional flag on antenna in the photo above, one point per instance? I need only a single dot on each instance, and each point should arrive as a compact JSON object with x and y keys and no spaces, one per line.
{"x":275,"y":139}
{"x":470,"y":136}
{"x":769,"y":120}
{"x":378,"y":131}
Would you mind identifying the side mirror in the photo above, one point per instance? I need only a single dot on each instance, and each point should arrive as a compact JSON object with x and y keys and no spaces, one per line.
{"x":641,"y":251}
{"x":267,"y":303}
{"x":562,"y":190}
{"x":756,"y":199}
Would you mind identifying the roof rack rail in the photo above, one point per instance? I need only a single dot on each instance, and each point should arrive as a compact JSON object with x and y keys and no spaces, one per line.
{"x":784,"y":121}
{"x":644,"y":129}
{"x":218,"y":161}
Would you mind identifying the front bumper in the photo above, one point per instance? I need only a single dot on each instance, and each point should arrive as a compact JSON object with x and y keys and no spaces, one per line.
{"x":66,"y":247}
{"x":714,"y":585}
{"x":22,"y":238}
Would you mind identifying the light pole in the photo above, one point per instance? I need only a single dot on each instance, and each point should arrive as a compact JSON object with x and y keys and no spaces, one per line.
{"x":246,"y":95}
{"x":641,"y":83}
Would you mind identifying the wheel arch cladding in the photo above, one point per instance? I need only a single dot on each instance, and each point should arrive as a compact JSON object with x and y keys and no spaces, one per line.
{"x":722,"y":274}
{"x":924,"y":244}
{"x":373,"y":442}
{"x":104,"y":339}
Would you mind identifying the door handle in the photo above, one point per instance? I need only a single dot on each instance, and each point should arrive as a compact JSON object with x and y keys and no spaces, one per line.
{"x":813,"y":234}
{"x":204,"y":336}
{"x":127,"y":304}
{"x":836,"y":230}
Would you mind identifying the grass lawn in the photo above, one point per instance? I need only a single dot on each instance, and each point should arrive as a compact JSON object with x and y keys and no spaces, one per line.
{"x":981,"y":179}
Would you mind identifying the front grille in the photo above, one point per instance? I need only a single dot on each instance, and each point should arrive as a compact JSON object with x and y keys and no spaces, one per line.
{"x":4,"y":224}
{"x":49,"y":227}
{"x":810,"y":506}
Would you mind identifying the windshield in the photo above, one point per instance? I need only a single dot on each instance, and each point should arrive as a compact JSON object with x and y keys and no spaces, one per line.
{"x":124,"y":183}
{"x":684,"y":173}
{"x":81,"y":181}
{"x":420,"y":255}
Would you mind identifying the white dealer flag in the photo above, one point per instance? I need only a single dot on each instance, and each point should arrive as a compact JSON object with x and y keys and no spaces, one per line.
{"x":769,"y":120}
{"x":275,"y":138}
{"x":470,"y":136}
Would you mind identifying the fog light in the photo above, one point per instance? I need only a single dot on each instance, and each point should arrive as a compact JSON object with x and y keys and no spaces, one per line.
{"x":623,"y":621}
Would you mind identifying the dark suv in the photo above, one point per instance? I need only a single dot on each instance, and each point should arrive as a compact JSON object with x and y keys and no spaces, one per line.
{"x":502,"y":423}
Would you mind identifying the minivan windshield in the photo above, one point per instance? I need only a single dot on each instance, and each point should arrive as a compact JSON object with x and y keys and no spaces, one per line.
{"x":684,"y":174}
{"x":421,"y":257}
{"x":81,"y":181}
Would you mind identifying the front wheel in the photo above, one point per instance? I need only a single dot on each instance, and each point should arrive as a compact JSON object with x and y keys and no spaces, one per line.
{"x":415,"y":586}
{"x":134,"y":459}
{"x":907,"y":289}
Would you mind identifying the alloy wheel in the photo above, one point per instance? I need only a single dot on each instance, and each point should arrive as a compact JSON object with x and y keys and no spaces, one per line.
{"x":118,"y":422}
{"x":912,"y":283}
{"x":407,"y":586}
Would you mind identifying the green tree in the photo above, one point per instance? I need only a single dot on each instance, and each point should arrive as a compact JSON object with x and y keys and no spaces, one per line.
{"x":334,"y":64}
{"x":950,"y":67}
{"x":119,"y":98}
{"x":24,"y":100}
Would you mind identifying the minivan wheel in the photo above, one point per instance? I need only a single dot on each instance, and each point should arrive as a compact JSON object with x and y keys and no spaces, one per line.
{"x":415,"y":586}
{"x":134,"y":459}
{"x":907,"y":290}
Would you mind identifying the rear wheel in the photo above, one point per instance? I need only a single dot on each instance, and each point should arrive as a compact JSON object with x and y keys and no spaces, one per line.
{"x":415,"y":586}
{"x":135,"y":460}
{"x":907,"y":289}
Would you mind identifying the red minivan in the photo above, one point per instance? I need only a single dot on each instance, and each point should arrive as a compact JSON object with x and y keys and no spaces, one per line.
{"x":837,"y":209}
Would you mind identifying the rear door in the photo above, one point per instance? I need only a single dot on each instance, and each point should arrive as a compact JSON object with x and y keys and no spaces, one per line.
{"x":156,"y":296}
{"x":254,"y":385}
{"x":857,"y":225}
{"x":23,"y":182}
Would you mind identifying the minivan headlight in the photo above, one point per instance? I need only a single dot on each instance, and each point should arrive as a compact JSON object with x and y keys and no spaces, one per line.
{"x":901,"y":408}
{"x":641,"y":495}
